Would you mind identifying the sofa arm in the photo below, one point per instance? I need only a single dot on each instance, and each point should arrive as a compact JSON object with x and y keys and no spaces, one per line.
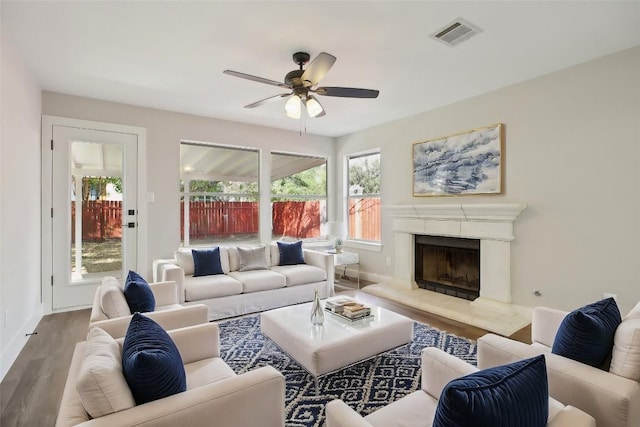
{"x":223,"y":403}
{"x":168,"y":319}
{"x":545,"y":323}
{"x":439,"y":368}
{"x":339,"y":414}
{"x":572,"y":417}
{"x":165,"y":293}
{"x":612,"y":400}
{"x":325,"y":262}
{"x":174,"y":273}
{"x":157,"y":268}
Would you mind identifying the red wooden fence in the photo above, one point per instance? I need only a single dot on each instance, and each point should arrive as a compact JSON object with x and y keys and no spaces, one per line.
{"x":365,"y":218}
{"x":103,"y":219}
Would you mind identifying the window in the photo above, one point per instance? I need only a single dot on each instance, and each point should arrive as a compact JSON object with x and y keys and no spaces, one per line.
{"x":298,"y":195}
{"x":363,"y":207}
{"x":219,"y":194}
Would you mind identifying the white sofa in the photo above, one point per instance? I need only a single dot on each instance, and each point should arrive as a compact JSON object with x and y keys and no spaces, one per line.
{"x":613,"y":400}
{"x":240,"y":292}
{"x":215,"y":394}
{"x":111,"y":312}
{"x":418,"y":408}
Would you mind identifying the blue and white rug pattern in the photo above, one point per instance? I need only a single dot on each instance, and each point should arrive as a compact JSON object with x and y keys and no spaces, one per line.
{"x":365,"y":386}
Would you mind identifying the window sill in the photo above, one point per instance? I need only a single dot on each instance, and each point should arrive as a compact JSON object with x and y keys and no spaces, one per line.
{"x":365,"y":246}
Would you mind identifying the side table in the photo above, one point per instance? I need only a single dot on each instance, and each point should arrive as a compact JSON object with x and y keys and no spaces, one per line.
{"x":346,"y":259}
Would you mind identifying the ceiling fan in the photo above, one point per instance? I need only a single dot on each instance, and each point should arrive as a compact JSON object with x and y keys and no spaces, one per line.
{"x":302,"y":85}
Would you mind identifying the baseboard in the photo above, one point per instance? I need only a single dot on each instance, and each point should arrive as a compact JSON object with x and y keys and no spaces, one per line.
{"x":18,"y":341}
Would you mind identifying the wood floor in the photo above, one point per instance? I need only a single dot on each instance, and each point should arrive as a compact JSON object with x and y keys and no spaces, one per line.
{"x":30,"y":392}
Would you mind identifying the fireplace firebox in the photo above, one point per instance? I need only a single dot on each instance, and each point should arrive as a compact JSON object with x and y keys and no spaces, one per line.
{"x":448,"y":265}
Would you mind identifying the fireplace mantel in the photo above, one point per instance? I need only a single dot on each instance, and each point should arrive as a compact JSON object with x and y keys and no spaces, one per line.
{"x":491,"y":223}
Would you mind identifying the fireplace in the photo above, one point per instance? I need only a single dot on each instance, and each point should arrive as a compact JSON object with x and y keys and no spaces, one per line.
{"x":448,"y":265}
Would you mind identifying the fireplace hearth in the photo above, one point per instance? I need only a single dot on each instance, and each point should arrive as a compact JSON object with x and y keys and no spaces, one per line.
{"x":448,"y":265}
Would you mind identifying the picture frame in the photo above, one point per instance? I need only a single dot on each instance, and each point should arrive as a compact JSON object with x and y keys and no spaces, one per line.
{"x":465,"y":163}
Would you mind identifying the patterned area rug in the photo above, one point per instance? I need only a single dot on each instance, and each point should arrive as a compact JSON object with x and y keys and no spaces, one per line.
{"x":365,"y":387}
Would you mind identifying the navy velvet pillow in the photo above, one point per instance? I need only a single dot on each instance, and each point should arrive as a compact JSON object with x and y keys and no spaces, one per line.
{"x":586,"y":334}
{"x":206,"y":262}
{"x":291,"y":253}
{"x":138,"y":294}
{"x":151,"y":362}
{"x":505,"y":396}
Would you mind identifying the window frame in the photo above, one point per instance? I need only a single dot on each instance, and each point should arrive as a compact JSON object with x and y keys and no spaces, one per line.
{"x":354,"y":242}
{"x":186,"y":194}
{"x":302,"y":197}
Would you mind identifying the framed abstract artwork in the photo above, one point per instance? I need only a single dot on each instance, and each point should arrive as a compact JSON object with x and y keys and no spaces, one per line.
{"x":465,"y":163}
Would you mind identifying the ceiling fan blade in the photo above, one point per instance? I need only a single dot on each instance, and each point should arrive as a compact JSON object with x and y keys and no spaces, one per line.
{"x":318,"y":68}
{"x":267,"y":100}
{"x":347,"y":92}
{"x":255,"y":78}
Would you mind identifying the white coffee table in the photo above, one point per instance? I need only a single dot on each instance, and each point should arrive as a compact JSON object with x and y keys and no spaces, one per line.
{"x":337,"y":343}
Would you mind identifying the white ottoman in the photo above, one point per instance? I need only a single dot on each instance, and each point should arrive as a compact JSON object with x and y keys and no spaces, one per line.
{"x":337,"y":343}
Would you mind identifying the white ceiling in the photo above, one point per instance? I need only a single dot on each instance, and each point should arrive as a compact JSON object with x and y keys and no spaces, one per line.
{"x":170,"y":55}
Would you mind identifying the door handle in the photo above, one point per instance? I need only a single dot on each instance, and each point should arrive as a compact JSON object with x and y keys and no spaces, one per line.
{"x":129,"y":225}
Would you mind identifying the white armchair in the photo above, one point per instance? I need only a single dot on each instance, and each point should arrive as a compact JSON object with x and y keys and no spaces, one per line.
{"x":111,"y":312}
{"x":613,"y":400}
{"x":419,"y":407}
{"x":215,"y":394}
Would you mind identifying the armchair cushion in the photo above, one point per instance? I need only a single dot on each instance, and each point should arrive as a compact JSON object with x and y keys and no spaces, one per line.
{"x":586,"y":334}
{"x":112,"y":300}
{"x":138,"y":294}
{"x":151,"y":361}
{"x":507,"y":395}
{"x":206,"y":262}
{"x":101,"y":385}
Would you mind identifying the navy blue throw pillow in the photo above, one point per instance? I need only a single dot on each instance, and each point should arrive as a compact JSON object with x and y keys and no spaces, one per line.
{"x":586,"y":334}
{"x":504,"y":396}
{"x":291,"y":253}
{"x":138,"y":294}
{"x":206,"y":262}
{"x":151,"y":362}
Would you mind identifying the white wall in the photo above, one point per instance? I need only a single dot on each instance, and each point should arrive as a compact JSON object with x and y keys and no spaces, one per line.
{"x":20,"y":303}
{"x":165,"y":130}
{"x":572,"y":153}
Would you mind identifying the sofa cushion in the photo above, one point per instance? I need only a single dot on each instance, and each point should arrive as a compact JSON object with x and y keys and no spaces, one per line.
{"x":290,"y":253}
{"x":151,"y":361}
{"x":625,"y":357}
{"x":206,"y":262}
{"x":100,"y":383}
{"x":253,"y":258}
{"x":205,"y":287}
{"x":112,"y":300}
{"x":184,"y":259}
{"x":586,"y":334}
{"x":138,"y":294}
{"x":301,"y":274}
{"x":510,"y":395}
{"x":259,"y":280}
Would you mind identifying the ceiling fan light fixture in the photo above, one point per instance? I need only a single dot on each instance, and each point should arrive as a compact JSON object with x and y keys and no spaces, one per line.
{"x":313,"y":106}
{"x":293,"y":107}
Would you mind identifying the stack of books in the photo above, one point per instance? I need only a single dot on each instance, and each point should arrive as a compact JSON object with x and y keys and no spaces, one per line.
{"x":355,"y":310}
{"x":348,"y":308}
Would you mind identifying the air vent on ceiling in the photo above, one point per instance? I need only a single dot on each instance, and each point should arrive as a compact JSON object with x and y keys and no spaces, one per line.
{"x":456,"y":32}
